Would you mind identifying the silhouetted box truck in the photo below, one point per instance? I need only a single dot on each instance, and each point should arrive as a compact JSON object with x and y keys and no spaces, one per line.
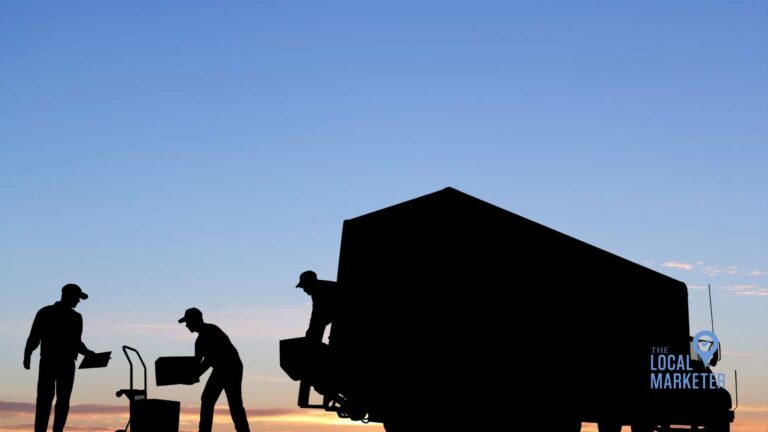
{"x":455,"y":313}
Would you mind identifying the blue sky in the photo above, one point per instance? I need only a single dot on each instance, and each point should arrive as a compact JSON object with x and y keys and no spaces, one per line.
{"x":190,"y":153}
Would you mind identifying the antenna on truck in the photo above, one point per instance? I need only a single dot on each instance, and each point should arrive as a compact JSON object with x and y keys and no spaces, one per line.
{"x":712,"y":321}
{"x":711,"y":316}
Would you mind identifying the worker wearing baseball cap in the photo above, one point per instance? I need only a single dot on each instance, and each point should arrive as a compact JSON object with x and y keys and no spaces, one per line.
{"x":324,"y":295}
{"x":213,"y":349}
{"x":57,"y":329}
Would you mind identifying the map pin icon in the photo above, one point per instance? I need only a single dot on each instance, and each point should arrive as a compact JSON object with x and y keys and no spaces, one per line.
{"x":712,"y":341}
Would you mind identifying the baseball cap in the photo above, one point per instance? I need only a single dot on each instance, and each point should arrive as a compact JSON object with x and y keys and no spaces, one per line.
{"x":72,"y":289}
{"x":304,"y":278}
{"x":191,"y":313}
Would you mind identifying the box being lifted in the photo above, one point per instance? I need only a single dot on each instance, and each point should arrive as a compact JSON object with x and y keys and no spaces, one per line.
{"x":176,"y":370}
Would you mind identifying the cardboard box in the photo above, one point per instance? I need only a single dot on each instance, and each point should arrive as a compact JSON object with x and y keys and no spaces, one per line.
{"x":176,"y":370}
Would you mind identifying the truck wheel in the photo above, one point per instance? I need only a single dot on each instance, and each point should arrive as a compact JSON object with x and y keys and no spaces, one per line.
{"x":718,"y":427}
{"x":572,"y":426}
{"x":396,"y":425}
{"x":565,"y":425}
{"x":608,"y":426}
{"x":392,"y":427}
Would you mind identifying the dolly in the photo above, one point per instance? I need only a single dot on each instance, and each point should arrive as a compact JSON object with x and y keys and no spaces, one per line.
{"x":146,"y":415}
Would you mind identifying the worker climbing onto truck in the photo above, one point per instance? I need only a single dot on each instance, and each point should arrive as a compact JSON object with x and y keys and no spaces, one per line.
{"x":213,"y":349}
{"x":324,"y":302}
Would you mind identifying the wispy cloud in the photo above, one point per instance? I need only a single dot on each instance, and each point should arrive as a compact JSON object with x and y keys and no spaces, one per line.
{"x":761,"y":292}
{"x":710,"y":270}
{"x":740,"y":354}
{"x":31,"y":426}
{"x":747,"y":290}
{"x":153,"y":326}
{"x":740,"y":287}
{"x":677,"y":265}
{"x":754,"y":409}
{"x":105,"y":418}
{"x":699,"y":267}
{"x":21,"y":408}
{"x":264,"y":322}
{"x":263,"y":378}
{"x":19,"y":416}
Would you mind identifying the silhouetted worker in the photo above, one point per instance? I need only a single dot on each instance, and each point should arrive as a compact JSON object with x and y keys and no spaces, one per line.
{"x":213,"y":349}
{"x":324,"y":302}
{"x":57,"y":329}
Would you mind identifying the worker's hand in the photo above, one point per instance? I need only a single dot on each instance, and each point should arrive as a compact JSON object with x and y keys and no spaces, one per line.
{"x":27,"y":361}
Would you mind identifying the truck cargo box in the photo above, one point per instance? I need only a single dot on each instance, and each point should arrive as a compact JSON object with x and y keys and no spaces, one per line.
{"x":448,"y":302}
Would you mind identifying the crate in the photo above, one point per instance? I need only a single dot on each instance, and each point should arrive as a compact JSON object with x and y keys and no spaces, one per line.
{"x":155,"y":415}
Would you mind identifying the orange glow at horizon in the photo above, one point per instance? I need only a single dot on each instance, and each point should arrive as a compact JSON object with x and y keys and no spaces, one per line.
{"x":107,"y":418}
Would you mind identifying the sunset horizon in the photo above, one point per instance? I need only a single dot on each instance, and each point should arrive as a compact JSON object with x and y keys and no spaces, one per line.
{"x":182,"y":155}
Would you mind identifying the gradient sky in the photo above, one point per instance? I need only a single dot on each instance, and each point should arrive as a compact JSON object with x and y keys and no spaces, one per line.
{"x":170,"y":154}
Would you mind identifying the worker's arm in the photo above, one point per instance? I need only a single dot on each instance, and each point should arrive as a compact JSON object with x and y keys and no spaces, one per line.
{"x":82,"y":349}
{"x":202,"y":359}
{"x":33,"y":341}
{"x":204,"y":365}
{"x":317,"y":323}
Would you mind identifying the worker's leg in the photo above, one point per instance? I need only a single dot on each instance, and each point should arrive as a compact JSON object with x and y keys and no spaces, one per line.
{"x":233,"y":388}
{"x":45,"y":390}
{"x":211,"y":394}
{"x":64,"y":382}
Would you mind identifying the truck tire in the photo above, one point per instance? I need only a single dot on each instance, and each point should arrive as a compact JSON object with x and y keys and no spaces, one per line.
{"x":568,"y":426}
{"x":718,"y":427}
{"x":608,"y":426}
{"x":558,"y":425}
{"x":394,"y":426}
{"x":390,"y":427}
